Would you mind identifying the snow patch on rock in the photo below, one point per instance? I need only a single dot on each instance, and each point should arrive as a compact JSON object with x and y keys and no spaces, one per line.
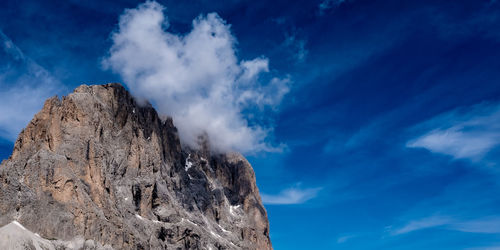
{"x":188,"y":164}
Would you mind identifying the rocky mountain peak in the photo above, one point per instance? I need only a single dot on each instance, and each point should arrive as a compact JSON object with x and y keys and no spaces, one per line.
{"x":97,"y":166}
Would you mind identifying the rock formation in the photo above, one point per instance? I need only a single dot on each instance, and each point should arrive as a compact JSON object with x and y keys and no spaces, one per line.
{"x":98,"y":168}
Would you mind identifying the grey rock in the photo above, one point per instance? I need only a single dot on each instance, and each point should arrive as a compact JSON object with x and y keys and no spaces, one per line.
{"x":98,"y":167}
{"x":15,"y":236}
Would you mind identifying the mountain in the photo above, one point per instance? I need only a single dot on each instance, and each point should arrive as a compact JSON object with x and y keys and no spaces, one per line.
{"x":98,"y":168}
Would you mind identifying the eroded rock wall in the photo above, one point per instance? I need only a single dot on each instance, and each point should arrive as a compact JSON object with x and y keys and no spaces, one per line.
{"x":96,"y":164}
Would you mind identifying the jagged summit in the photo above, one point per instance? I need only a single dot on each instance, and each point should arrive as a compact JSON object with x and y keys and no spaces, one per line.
{"x":95,"y":165}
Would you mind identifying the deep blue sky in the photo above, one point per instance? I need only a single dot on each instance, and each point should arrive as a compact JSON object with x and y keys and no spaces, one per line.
{"x":391,"y":125}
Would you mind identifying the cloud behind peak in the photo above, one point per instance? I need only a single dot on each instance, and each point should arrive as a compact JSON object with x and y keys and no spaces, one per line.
{"x":196,"y":77}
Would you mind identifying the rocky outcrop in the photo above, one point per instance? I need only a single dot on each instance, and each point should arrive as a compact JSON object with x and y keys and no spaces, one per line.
{"x":99,"y":166}
{"x":15,"y":236}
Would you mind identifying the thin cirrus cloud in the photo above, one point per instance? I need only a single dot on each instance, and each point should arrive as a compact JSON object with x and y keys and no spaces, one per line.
{"x":298,"y":45}
{"x":24,"y":86}
{"x":292,"y":195}
{"x":196,"y":78}
{"x":329,"y":4}
{"x":466,"y":133}
{"x":424,"y":223}
{"x":487,"y":225}
{"x":345,"y":238}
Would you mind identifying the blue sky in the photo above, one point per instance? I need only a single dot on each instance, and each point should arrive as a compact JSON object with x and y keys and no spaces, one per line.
{"x":370,"y":124}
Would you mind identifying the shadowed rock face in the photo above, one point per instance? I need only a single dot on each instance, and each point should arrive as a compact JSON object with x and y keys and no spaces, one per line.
{"x":98,"y":166}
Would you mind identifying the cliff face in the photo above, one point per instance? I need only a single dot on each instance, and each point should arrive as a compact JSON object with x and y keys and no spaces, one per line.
{"x":98,"y":166}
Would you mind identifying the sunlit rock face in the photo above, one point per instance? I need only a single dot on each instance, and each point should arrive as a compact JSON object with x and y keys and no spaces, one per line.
{"x":97,"y":166}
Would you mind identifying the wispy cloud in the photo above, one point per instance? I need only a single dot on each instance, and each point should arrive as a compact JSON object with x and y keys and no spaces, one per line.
{"x":24,"y":86}
{"x":196,"y":77}
{"x":468,"y":133}
{"x":424,"y":223}
{"x":490,"y":225}
{"x":293,"y":195}
{"x":329,"y":4}
{"x":345,"y":238}
{"x":297,"y":46}
{"x":487,"y":225}
{"x":493,"y":247}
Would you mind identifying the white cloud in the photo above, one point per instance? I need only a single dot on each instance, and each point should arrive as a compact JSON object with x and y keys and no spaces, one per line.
{"x":463,"y":134}
{"x":195,"y":77}
{"x":487,"y":225}
{"x":252,"y":68}
{"x":429,"y":222}
{"x":293,"y":195}
{"x":24,"y":86}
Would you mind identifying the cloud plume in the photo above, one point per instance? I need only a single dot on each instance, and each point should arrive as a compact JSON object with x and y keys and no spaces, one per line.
{"x":196,"y":77}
